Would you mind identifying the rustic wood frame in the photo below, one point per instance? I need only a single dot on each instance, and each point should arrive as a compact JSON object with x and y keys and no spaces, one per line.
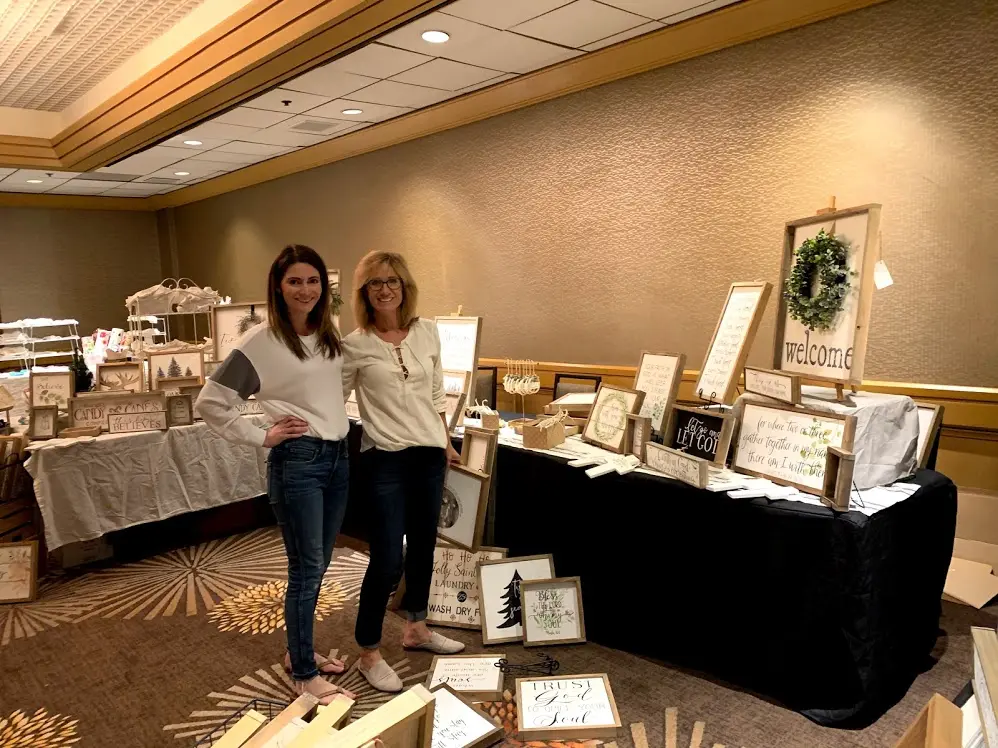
{"x":484,"y":482}
{"x":639,"y":432}
{"x":404,"y":722}
{"x":922,"y":459}
{"x":113,"y":417}
{"x":486,"y":639}
{"x":109,"y":398}
{"x":677,"y":380}
{"x":573,"y":582}
{"x":864,"y":303}
{"x":214,"y":322}
{"x":33,"y":581}
{"x":793,"y":380}
{"x":121,"y":365}
{"x":703,"y":471}
{"x":165,"y":384}
{"x":567,"y":733}
{"x":478,"y":343}
{"x":492,"y":446}
{"x":33,"y":375}
{"x":170,"y":421}
{"x":492,"y":695}
{"x":54,"y":409}
{"x":457,"y":417}
{"x":154,"y":381}
{"x":745,"y":346}
{"x":633,"y":410}
{"x":494,"y":735}
{"x":465,"y":375}
{"x":729,"y":422}
{"x":848,"y":435}
{"x":840,"y":464}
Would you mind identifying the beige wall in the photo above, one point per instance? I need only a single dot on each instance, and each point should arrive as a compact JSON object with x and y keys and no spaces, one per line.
{"x":75,"y":263}
{"x":612,"y":220}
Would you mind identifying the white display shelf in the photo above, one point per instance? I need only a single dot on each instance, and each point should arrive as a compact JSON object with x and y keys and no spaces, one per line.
{"x":28,"y":355}
{"x":27,"y":341}
{"x":53,"y":339}
{"x":22,"y":324}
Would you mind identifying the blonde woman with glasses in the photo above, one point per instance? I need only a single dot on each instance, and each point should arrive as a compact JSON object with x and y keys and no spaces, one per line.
{"x":392,"y":360}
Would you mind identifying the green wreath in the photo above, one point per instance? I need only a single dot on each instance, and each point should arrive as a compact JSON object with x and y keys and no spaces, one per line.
{"x":824,"y":259}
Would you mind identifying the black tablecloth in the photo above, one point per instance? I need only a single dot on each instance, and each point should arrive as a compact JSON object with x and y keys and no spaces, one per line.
{"x":833,"y":615}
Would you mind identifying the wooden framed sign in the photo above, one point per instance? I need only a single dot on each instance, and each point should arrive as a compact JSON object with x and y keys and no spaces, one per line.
{"x":659,"y":376}
{"x":120,"y":376}
{"x":606,"y":426}
{"x":476,"y":676}
{"x":454,"y":597}
{"x":174,"y":384}
{"x":460,"y":338}
{"x":454,"y":409}
{"x":462,"y":512}
{"x":499,"y":589}
{"x":229,"y":322}
{"x":840,"y":464}
{"x":51,"y":388}
{"x":457,"y":723}
{"x":552,"y":612}
{"x":44,"y":422}
{"x":638,"y":434}
{"x":18,"y":572}
{"x":478,"y":450}
{"x":930,"y":419}
{"x":789,"y":445}
{"x":775,"y":384}
{"x":179,"y":410}
{"x":456,"y":382}
{"x":732,"y":340}
{"x":168,"y":369}
{"x":566,"y":707}
{"x":837,"y":354}
{"x":676,"y":464}
{"x":701,"y":433}
{"x":124,"y":423}
{"x":94,"y":409}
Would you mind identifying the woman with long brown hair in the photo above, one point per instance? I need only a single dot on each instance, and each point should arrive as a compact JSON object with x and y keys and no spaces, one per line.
{"x":393,"y":363}
{"x":293,"y":367}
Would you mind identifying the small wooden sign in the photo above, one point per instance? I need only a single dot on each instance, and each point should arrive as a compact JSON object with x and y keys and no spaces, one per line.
{"x":607,"y":423}
{"x":476,"y":676}
{"x":75,"y":432}
{"x":839,"y":467}
{"x":659,"y":376}
{"x":124,"y":423}
{"x":566,"y":707}
{"x":701,"y":433}
{"x":51,"y":388}
{"x":179,"y":410}
{"x":18,"y":572}
{"x":248,"y":408}
{"x":552,"y":612}
{"x":775,"y":384}
{"x":457,"y":723}
{"x":676,"y":464}
{"x":44,"y":422}
{"x":985,"y":641}
{"x":93,"y":409}
{"x":638,"y":433}
{"x":478,"y":450}
{"x":120,"y":376}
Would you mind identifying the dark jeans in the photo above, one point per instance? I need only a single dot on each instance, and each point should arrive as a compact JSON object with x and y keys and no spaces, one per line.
{"x":308,"y":481}
{"x":404,"y":490}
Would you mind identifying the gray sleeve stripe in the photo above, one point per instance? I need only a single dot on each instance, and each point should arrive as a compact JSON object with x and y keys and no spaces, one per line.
{"x":238,"y":374}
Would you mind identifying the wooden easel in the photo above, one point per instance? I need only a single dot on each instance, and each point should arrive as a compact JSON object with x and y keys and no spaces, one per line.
{"x":839,"y":389}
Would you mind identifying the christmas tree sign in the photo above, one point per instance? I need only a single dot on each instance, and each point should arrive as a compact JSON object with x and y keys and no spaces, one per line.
{"x":174,"y":364}
{"x":499,"y":594}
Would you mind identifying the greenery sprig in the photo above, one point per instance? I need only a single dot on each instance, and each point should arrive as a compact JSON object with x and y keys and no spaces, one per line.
{"x":823,"y":259}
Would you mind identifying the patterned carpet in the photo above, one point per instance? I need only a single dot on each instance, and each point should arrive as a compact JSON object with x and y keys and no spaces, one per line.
{"x":162,"y":651}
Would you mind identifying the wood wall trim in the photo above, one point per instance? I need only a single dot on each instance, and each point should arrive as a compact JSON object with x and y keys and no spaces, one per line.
{"x":73,"y":202}
{"x":729,"y":26}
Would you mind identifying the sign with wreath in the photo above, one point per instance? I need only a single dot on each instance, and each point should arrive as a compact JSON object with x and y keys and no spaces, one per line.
{"x":826,"y":292}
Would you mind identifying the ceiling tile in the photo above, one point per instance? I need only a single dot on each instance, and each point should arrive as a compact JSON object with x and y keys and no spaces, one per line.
{"x":446,"y":74}
{"x":329,"y":81}
{"x":275,"y":136}
{"x":50,"y":177}
{"x":309,"y":124}
{"x":274,"y":101}
{"x":217,"y":131}
{"x":235,"y":159}
{"x":195,"y":169}
{"x":513,"y":53}
{"x":625,"y":35}
{"x":207,"y":143}
{"x":5,"y":172}
{"x":486,"y":84}
{"x":379,"y":61}
{"x":393,"y":93}
{"x":109,"y":176}
{"x":253,"y":149}
{"x":462,"y":34}
{"x":502,"y":15}
{"x":249,"y":117}
{"x":369,"y":112}
{"x":654,"y":8}
{"x":8,"y":185}
{"x":147,"y":161}
{"x":133,"y":189}
{"x":580,"y":23}
{"x":697,"y":11}
{"x":81,"y":187}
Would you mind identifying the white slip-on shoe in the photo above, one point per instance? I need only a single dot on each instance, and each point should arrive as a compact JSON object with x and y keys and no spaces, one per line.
{"x":440,"y":644}
{"x":382,"y":677}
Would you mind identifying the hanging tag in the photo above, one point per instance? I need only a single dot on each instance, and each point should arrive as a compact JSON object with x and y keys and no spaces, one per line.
{"x":882,"y":276}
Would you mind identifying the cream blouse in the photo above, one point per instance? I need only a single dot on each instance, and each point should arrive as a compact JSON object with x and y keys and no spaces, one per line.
{"x":397,"y":412}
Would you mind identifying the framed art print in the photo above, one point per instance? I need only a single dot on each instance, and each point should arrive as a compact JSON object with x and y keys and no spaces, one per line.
{"x":478,"y":450}
{"x":499,"y":591}
{"x":229,"y":322}
{"x":462,"y":511}
{"x":179,"y":410}
{"x":119,"y":376}
{"x":44,"y":422}
{"x":51,"y":388}
{"x":476,"y":676}
{"x":659,"y":376}
{"x":18,"y":572}
{"x":607,"y":423}
{"x":552,"y":612}
{"x":566,"y":707}
{"x":173,"y":366}
{"x":456,"y":382}
{"x":930,"y":418}
{"x":457,"y":723}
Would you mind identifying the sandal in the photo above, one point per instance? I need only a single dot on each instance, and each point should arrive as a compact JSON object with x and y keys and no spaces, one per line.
{"x":322,"y":689}
{"x":326,"y":666}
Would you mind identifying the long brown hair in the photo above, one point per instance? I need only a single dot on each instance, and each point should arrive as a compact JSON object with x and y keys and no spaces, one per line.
{"x":320,"y":318}
{"x":363,"y":312}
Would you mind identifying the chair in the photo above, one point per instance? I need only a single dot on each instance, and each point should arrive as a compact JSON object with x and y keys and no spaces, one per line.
{"x":578,"y":383}
{"x":486,"y":380}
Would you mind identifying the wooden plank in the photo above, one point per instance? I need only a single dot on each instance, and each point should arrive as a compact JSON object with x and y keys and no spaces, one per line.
{"x":404,"y":722}
{"x":242,"y":731}
{"x":671,"y":719}
{"x":301,"y":707}
{"x":938,"y":725}
{"x":638,"y":735}
{"x":326,"y":722}
{"x":697,"y":737}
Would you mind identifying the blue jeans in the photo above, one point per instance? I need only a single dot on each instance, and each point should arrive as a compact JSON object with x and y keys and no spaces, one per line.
{"x":307,"y":482}
{"x":404,"y":491}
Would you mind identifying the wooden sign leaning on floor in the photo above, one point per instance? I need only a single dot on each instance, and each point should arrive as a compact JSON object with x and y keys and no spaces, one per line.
{"x":477,"y":676}
{"x":499,"y":589}
{"x":775,"y":384}
{"x":566,"y":707}
{"x":552,"y":612}
{"x":457,"y":723}
{"x":462,"y":511}
{"x":18,"y":572}
{"x":676,"y":464}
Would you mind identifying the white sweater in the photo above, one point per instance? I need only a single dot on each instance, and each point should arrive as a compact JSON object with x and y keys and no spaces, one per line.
{"x":397,"y":412}
{"x":263,"y":366}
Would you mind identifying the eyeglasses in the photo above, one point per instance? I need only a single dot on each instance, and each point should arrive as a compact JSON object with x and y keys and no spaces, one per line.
{"x":405,"y":371}
{"x":377,"y":284}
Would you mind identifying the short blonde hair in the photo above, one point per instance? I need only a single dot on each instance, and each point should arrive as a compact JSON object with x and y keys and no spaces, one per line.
{"x":363,"y":312}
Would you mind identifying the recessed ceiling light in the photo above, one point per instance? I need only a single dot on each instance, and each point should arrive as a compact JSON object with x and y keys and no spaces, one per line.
{"x":192,"y":142}
{"x":34,"y":181}
{"x":181,"y":173}
{"x":353,"y":111}
{"x":435,"y":37}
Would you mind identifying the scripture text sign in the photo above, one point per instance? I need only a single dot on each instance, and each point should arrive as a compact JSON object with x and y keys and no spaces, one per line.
{"x":123,"y":423}
{"x":787,"y":446}
{"x":675,"y":464}
{"x":657,"y":378}
{"x":698,"y":433}
{"x":458,"y":725}
{"x":454,"y":587}
{"x":569,"y":703}
{"x":779,"y":386}
{"x":475,"y":674}
{"x":720,"y":369}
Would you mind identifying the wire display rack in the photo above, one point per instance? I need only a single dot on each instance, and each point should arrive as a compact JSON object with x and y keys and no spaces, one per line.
{"x":266,"y":707}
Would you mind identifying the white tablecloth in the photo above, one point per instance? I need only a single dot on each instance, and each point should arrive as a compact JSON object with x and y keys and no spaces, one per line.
{"x":886,"y":430}
{"x":88,"y":487}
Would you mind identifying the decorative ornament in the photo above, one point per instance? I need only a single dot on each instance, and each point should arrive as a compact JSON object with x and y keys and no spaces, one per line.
{"x":546,"y":665}
{"x":823,"y":259}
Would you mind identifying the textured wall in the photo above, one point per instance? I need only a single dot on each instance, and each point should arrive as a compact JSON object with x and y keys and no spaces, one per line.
{"x":590,"y":227}
{"x":75,"y":263}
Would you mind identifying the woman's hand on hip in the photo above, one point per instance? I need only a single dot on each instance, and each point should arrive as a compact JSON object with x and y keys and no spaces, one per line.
{"x":288,"y":427}
{"x":453,"y":456}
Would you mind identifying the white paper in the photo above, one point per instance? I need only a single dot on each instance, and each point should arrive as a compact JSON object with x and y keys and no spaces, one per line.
{"x":882,"y":276}
{"x":455,"y":724}
{"x":570,"y":702}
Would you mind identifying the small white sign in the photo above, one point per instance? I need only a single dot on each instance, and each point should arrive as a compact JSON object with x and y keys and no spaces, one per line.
{"x":572,"y":706}
{"x":457,"y":724}
{"x":676,"y":465}
{"x":783,"y":387}
{"x":468,"y":673}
